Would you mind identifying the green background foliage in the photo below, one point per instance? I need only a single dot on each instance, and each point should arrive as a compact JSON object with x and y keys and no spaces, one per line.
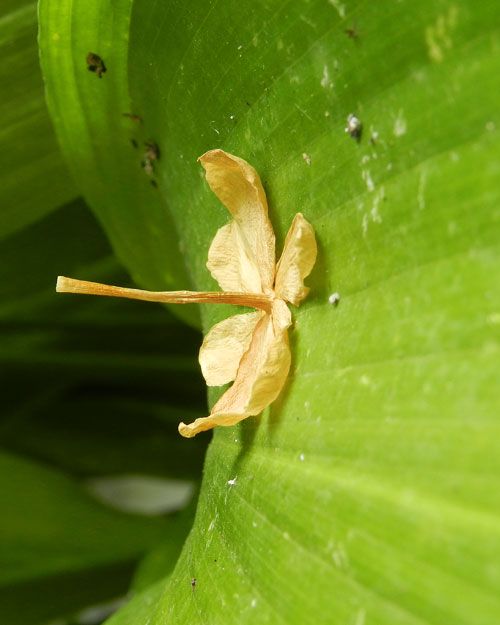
{"x":368,"y":492}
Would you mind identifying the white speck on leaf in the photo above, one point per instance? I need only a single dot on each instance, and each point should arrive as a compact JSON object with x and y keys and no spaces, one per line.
{"x":339,"y":555}
{"x":325,"y":80}
{"x":421,"y":190}
{"x":334,"y":299}
{"x":354,"y":126}
{"x":286,"y":535}
{"x":378,"y":197}
{"x":212,"y":525}
{"x":307,"y":21}
{"x":306,"y":158}
{"x":364,"y":224}
{"x":400,"y":124}
{"x":339,"y":7}
{"x":370,"y":185}
{"x":233,"y":481}
{"x":253,"y":603}
{"x":301,"y":457}
{"x":438,"y":35}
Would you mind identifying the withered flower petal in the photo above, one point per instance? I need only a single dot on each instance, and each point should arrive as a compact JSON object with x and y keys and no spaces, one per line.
{"x":238,"y":187}
{"x":261,"y":376}
{"x":224,"y":346}
{"x":296,"y":262}
{"x":252,"y":349}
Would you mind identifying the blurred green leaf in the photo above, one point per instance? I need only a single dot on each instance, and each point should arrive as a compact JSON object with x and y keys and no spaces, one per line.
{"x":60,"y":548}
{"x":33,"y":177}
{"x":141,"y":608}
{"x":368,"y":493}
{"x":108,"y":382}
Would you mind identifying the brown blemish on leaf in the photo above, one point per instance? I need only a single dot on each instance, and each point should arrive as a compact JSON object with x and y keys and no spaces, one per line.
{"x":133,"y":117}
{"x":352,"y":32}
{"x":95,"y":64}
{"x":151,"y":155}
{"x":251,"y":350}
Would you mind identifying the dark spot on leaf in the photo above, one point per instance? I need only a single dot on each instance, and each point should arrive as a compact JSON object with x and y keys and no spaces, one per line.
{"x":151,"y":155}
{"x":134,"y":143}
{"x":352,"y":32}
{"x":134,"y":117}
{"x":152,"y":151}
{"x":95,"y":64}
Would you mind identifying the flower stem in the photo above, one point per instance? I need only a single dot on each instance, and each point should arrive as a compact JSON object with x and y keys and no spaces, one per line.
{"x":251,"y":300}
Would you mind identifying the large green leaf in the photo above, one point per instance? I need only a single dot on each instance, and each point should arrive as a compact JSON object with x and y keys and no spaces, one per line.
{"x":33,"y":177}
{"x":369,"y":492}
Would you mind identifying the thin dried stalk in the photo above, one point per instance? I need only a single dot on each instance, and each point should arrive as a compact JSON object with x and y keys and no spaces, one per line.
{"x":251,"y":300}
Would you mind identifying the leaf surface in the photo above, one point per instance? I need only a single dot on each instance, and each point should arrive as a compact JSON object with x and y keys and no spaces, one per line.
{"x":368,"y":493}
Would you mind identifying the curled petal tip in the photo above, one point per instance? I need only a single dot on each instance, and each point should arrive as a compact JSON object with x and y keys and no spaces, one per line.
{"x":210,"y":154}
{"x":186,"y":430}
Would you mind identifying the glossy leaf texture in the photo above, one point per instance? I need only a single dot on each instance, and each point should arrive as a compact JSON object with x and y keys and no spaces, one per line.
{"x":34,"y":179}
{"x":368,"y":493}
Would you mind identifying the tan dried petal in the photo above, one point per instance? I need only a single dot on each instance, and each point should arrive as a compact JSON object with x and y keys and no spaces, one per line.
{"x":224,"y":346}
{"x":281,"y":315}
{"x":238,"y":187}
{"x":229,"y":263}
{"x":261,"y":376}
{"x":296,"y":262}
{"x":252,"y":349}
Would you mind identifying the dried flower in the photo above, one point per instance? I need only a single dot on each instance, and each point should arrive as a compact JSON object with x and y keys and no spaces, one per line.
{"x":250,"y":349}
